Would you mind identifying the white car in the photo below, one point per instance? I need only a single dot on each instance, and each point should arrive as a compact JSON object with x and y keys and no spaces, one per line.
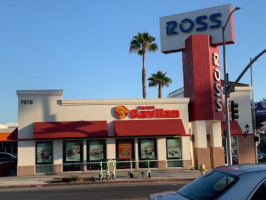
{"x":237,"y":182}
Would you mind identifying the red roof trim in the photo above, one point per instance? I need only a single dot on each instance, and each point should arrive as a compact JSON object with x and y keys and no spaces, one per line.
{"x":13,"y":135}
{"x":129,"y":128}
{"x":70,"y":129}
{"x":234,"y":128}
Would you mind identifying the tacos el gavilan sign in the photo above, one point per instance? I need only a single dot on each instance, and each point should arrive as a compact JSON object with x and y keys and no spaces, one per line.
{"x":143,"y":112}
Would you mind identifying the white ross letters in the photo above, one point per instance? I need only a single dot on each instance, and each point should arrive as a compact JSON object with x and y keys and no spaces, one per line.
{"x":217,"y":77}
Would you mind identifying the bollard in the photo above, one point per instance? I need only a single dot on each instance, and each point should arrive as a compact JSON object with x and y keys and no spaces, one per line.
{"x":202,"y":169}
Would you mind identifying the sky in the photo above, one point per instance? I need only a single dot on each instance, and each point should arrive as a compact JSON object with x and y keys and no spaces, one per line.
{"x":82,"y":47}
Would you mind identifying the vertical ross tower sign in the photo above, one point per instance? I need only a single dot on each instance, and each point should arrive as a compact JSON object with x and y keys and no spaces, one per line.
{"x":197,"y":34}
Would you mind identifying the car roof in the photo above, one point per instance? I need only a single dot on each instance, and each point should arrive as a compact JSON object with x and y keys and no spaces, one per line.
{"x":238,"y":170}
{"x":8,"y":154}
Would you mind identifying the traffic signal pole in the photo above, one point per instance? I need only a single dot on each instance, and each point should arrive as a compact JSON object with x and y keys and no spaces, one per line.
{"x":227,"y":91}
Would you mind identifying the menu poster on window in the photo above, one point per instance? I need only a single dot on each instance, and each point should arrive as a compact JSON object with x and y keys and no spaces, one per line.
{"x":96,"y":150}
{"x":174,"y":148}
{"x":73,"y":151}
{"x":147,"y":149}
{"x":124,"y":149}
{"x":44,"y":152}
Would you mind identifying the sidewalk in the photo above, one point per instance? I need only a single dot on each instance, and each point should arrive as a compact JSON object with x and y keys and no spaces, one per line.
{"x":93,"y":178}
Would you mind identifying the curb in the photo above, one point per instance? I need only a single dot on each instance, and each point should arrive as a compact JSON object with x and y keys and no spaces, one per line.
{"x":98,"y":182}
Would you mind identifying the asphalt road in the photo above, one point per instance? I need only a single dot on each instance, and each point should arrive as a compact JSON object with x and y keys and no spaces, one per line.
{"x":138,"y":191}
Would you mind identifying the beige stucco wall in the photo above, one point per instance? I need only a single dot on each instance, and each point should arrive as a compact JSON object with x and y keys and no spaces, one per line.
{"x":242,"y":97}
{"x":26,"y":153}
{"x":49,"y":106}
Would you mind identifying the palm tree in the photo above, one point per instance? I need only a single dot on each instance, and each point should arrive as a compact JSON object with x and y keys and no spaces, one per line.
{"x":141,"y":44}
{"x":159,"y":79}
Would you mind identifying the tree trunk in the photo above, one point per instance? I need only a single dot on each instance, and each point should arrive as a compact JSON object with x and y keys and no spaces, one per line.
{"x":160,"y":91}
{"x":144,"y":92}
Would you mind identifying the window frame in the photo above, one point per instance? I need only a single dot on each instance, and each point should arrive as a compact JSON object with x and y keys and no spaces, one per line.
{"x":155,"y":148}
{"x":88,"y":150}
{"x":64,"y":151}
{"x":52,"y":152}
{"x":181,"y":153}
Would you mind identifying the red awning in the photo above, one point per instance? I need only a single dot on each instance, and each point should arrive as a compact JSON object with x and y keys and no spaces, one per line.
{"x":70,"y":129}
{"x":234,"y":128}
{"x":149,"y":127}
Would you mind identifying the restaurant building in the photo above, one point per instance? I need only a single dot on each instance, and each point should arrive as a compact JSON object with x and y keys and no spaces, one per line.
{"x":57,"y":135}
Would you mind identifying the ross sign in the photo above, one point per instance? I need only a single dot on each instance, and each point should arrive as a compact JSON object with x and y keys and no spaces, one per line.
{"x":143,"y":112}
{"x":175,"y":29}
{"x":217,"y":82}
{"x":202,"y":78}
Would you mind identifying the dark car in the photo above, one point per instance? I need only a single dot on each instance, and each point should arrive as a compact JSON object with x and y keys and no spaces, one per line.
{"x":4,"y":157}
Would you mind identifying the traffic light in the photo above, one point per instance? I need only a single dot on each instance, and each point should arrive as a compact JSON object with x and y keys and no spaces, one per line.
{"x":234,"y":110}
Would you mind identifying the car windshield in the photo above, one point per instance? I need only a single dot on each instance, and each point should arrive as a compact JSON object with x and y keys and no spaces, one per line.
{"x":209,"y":186}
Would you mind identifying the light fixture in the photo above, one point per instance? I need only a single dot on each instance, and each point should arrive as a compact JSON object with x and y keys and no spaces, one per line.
{"x":247,"y":130}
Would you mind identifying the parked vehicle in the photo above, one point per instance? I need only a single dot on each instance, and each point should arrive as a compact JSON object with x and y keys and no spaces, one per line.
{"x":223,"y":183}
{"x":4,"y":157}
{"x":260,"y":156}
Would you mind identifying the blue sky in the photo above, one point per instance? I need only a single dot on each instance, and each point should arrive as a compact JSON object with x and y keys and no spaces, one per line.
{"x":82,"y":47}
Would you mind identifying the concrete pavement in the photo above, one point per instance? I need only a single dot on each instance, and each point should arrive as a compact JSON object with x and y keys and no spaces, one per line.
{"x":93,"y":178}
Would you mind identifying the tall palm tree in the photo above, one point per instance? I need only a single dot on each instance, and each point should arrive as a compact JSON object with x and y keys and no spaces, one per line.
{"x":159,"y":79}
{"x":141,"y":44}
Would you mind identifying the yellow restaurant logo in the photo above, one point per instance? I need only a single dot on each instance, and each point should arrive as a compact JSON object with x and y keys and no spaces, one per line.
{"x":121,"y":112}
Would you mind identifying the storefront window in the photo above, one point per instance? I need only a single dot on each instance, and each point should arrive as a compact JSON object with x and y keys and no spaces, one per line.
{"x":44,"y":157}
{"x":125,"y":153}
{"x":174,"y":152}
{"x":9,"y":147}
{"x":73,"y":155}
{"x":96,"y":152}
{"x":148,"y":151}
{"x":234,"y":149}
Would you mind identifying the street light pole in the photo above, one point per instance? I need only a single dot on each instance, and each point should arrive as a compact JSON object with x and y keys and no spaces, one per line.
{"x":227,"y":129}
{"x":253,"y":114}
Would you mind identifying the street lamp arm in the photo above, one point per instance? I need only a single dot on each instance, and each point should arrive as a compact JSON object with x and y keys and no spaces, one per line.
{"x":236,"y":8}
{"x":243,"y":72}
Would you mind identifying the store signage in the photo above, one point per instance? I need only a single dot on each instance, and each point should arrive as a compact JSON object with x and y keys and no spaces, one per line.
{"x":175,"y":29}
{"x":217,"y":82}
{"x":261,"y":107}
{"x":143,"y":112}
